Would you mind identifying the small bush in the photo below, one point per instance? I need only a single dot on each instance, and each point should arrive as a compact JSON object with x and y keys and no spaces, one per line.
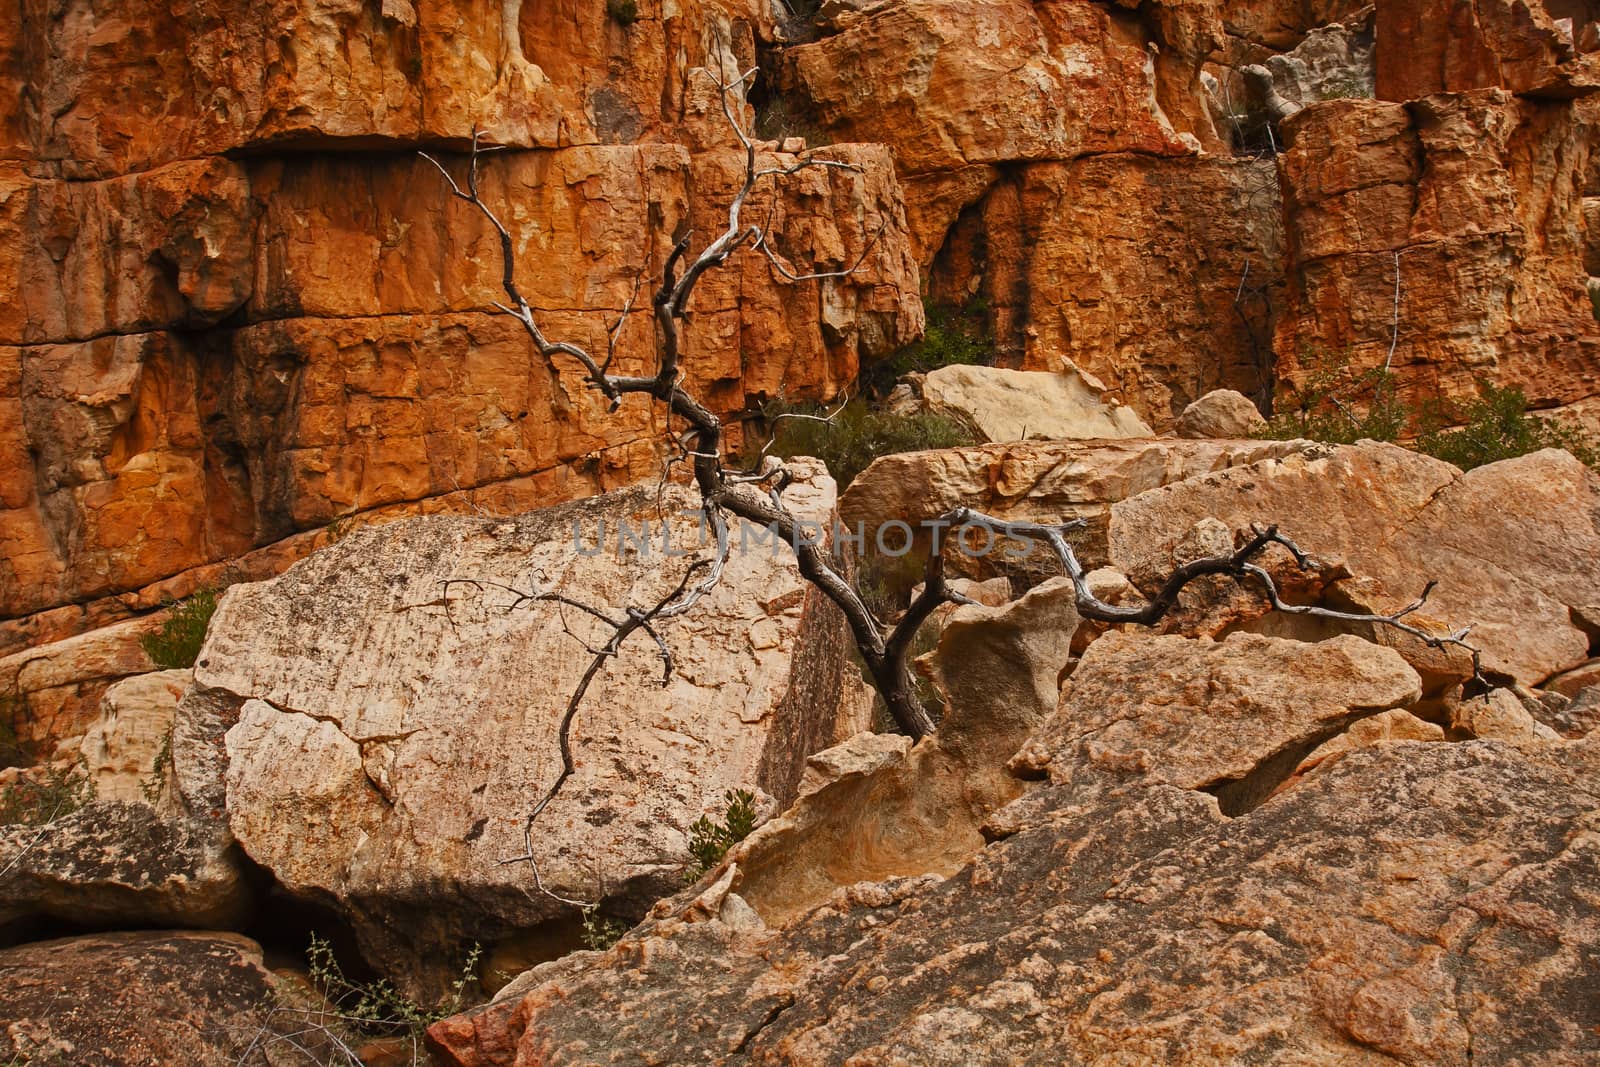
{"x":857,"y":435}
{"x":623,"y":12}
{"x":954,"y":336}
{"x":1497,"y":426}
{"x":377,"y":1009}
{"x":1339,"y":405}
{"x":709,"y":841}
{"x":178,"y":643}
{"x":31,"y":801}
{"x":600,"y":933}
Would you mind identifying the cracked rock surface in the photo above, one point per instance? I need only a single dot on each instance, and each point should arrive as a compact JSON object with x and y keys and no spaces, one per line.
{"x":391,"y":734}
{"x":1413,"y":902}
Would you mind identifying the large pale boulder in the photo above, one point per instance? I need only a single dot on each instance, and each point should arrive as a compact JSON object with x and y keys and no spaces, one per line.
{"x":1514,"y":546}
{"x":199,"y":999}
{"x":1055,"y":481}
{"x":1014,"y":405}
{"x":1409,"y":903}
{"x":394,"y":732}
{"x":1221,"y":413}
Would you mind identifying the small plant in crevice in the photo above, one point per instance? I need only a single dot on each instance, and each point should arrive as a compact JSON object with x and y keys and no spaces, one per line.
{"x":954,"y":335}
{"x":856,"y":435}
{"x":709,"y":841}
{"x":177,"y":644}
{"x":155,"y":783}
{"x":600,"y":932}
{"x":38,"y":800}
{"x":623,"y":12}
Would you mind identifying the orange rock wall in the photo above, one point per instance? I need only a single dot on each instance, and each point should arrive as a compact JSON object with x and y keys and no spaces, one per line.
{"x":204,"y":354}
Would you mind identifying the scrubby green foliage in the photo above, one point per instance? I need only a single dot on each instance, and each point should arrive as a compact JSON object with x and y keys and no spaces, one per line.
{"x":623,"y":12}
{"x":857,"y":435}
{"x":953,"y":336}
{"x":376,"y":1008}
{"x":709,"y":841}
{"x":1497,"y":426}
{"x":600,"y":933}
{"x":33,"y":801}
{"x":1340,"y":405}
{"x":178,"y":643}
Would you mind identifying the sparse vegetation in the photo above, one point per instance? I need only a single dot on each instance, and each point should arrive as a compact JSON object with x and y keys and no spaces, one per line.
{"x":709,"y":841}
{"x":857,"y":435}
{"x":600,"y":932}
{"x":953,"y":336}
{"x":38,"y":800}
{"x":177,"y":645}
{"x":155,"y":783}
{"x":11,"y":753}
{"x":623,"y":12}
{"x":1340,"y":406}
{"x":1495,"y":426}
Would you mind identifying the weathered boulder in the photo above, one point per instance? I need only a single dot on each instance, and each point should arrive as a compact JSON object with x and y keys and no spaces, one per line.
{"x":201,"y":999}
{"x":55,"y":690}
{"x":395,"y":729}
{"x":1014,"y":405}
{"x":1221,"y":413}
{"x":1233,"y":717}
{"x":1038,"y":481}
{"x":1408,"y":902}
{"x":1514,"y":546}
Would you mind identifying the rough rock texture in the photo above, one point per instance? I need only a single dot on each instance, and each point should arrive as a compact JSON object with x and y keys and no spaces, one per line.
{"x":1480,"y":196}
{"x":1234,"y":717}
{"x":127,"y":751}
{"x":1513,"y":546}
{"x":1221,"y":413}
{"x":393,"y":733}
{"x":1432,"y":46}
{"x":366,"y":375}
{"x":1010,"y":405}
{"x":142,"y":998}
{"x":55,"y":690}
{"x":1040,"y":482}
{"x":1417,"y":902}
{"x":114,"y":863}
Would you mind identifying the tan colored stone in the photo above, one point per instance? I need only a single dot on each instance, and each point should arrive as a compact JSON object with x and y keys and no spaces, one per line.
{"x":1499,"y":716}
{"x":1461,"y":187}
{"x":127,"y":751}
{"x":1381,"y":729}
{"x":1513,"y":546}
{"x":1570,"y":683}
{"x":1234,"y":717}
{"x":1010,"y":405}
{"x":1039,"y":481}
{"x":392,"y":736}
{"x":59,"y":686}
{"x":1341,"y":923}
{"x":1221,"y":413}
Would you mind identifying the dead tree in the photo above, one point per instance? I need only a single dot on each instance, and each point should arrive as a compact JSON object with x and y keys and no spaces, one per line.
{"x":756,"y":495}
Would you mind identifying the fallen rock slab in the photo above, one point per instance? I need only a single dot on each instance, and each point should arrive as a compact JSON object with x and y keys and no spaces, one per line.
{"x":1419,"y":903}
{"x":1514,"y":546}
{"x":393,"y":732}
{"x":1014,"y":405}
{"x":201,"y":999}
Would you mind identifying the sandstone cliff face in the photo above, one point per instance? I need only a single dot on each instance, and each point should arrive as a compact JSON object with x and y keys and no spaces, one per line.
{"x":206,"y":355}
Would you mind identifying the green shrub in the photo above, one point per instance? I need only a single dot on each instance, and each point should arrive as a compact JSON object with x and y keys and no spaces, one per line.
{"x":623,"y":12}
{"x":376,"y":1008}
{"x":1497,"y":426}
{"x":31,"y":801}
{"x":600,"y":933}
{"x":857,"y":435}
{"x":710,"y":841}
{"x":954,"y":336}
{"x":178,"y":643}
{"x":1339,"y":405}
